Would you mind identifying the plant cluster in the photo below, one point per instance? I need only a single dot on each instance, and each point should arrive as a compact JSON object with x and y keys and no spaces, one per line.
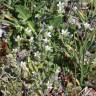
{"x":47,"y":47}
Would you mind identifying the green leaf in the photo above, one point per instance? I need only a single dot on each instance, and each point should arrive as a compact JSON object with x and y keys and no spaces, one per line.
{"x":23,"y":12}
{"x":57,"y":21}
{"x":25,"y":15}
{"x":30,"y":24}
{"x":11,"y":20}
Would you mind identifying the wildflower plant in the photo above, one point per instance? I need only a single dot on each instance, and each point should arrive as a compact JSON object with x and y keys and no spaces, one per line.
{"x":46,"y":38}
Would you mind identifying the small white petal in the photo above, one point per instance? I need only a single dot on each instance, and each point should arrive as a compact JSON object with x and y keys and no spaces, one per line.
{"x":49,"y":85}
{"x":31,"y":39}
{"x":37,"y":16}
{"x":15,"y":50}
{"x":50,"y":27}
{"x":23,"y":66}
{"x":1,"y":32}
{"x":48,"y":48}
{"x":18,"y":38}
{"x":75,"y":8}
{"x":87,"y":25}
{"x":57,"y":71}
{"x":46,"y":40}
{"x":28,"y":31}
{"x":37,"y":54}
{"x":60,"y":6}
{"x":48,"y":34}
{"x":65,"y":32}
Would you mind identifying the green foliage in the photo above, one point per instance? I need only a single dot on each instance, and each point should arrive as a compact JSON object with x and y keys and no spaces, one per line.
{"x":45,"y":37}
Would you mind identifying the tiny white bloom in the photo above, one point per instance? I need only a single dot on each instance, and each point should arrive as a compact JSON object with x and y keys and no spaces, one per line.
{"x":37,"y":16}
{"x":72,"y":20}
{"x":49,"y":85}
{"x":91,"y":29}
{"x":75,"y":8}
{"x":65,"y":32}
{"x":15,"y":50}
{"x":46,"y":40}
{"x":86,"y":25}
{"x":31,"y":39}
{"x":1,"y":32}
{"x":23,"y":66}
{"x":18,"y":38}
{"x":48,"y":48}
{"x":48,"y":34}
{"x":50,"y":27}
{"x":28,"y":31}
{"x":34,"y":5}
{"x":57,"y":70}
{"x":86,"y":89}
{"x":60,"y":7}
{"x":94,"y":61}
{"x":37,"y":54}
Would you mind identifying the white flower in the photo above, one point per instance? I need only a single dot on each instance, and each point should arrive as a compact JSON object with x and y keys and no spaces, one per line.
{"x":87,"y":25}
{"x":37,"y":16}
{"x":94,"y":61}
{"x":65,"y":32}
{"x":49,"y":85}
{"x":18,"y":38}
{"x":31,"y":39}
{"x":23,"y":66}
{"x":86,"y":89}
{"x":1,"y":32}
{"x":37,"y":54}
{"x":28,"y":31}
{"x":72,"y":20}
{"x":60,"y":7}
{"x":75,"y":8}
{"x":34,"y":5}
{"x":48,"y":48}
{"x":48,"y":34}
{"x":50,"y":27}
{"x":91,"y":29}
{"x":57,"y":70}
{"x":15,"y":50}
{"x":46,"y":40}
